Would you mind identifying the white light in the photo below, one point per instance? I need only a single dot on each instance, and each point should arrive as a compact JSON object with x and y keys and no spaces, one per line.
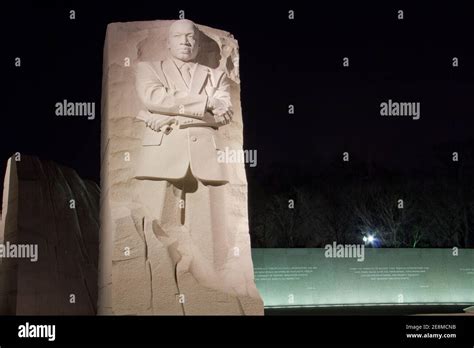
{"x":364,"y":239}
{"x":370,"y":239}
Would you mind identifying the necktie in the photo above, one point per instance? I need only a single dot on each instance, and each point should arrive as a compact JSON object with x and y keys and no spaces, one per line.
{"x":186,"y":72}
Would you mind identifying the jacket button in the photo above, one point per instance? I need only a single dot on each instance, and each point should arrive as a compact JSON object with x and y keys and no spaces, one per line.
{"x":193,"y":139}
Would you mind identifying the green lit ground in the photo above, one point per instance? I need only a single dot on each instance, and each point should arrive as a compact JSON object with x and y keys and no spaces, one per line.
{"x":421,"y":280}
{"x":370,"y":310}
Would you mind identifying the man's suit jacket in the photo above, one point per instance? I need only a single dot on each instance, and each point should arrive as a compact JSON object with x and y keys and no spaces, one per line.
{"x":164,"y":92}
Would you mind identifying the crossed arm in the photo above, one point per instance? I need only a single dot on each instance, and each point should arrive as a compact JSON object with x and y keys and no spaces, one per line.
{"x":158,"y":98}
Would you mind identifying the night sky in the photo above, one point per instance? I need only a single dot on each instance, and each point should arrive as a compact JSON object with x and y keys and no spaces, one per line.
{"x":282,"y":62}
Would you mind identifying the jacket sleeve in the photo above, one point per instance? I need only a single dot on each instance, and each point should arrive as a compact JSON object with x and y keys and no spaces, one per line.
{"x":222,"y":91}
{"x":159,"y":98}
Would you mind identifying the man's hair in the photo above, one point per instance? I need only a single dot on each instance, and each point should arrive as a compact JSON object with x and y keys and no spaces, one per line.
{"x":196,"y":29}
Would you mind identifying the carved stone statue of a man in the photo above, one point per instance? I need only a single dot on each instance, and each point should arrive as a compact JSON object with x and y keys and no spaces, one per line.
{"x":185,"y":103}
{"x":183,"y":187}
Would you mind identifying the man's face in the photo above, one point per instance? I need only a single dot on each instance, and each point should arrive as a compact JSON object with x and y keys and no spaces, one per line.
{"x":182,"y":41}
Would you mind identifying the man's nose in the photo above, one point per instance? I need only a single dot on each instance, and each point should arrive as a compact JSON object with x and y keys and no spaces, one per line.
{"x":185,"y":41}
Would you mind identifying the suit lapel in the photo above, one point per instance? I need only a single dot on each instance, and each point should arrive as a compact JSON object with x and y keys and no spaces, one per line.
{"x":158,"y":67}
{"x":198,"y":79}
{"x":173,"y":74}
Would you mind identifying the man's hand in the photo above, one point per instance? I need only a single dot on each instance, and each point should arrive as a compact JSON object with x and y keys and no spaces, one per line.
{"x":222,"y":113}
{"x":223,"y":116}
{"x":155,"y":122}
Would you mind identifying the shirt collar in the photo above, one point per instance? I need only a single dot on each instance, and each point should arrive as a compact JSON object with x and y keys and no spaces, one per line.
{"x":179,"y":63}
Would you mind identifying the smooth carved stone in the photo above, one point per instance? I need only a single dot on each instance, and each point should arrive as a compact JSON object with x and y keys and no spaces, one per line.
{"x":174,"y":222}
{"x":36,"y":210}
